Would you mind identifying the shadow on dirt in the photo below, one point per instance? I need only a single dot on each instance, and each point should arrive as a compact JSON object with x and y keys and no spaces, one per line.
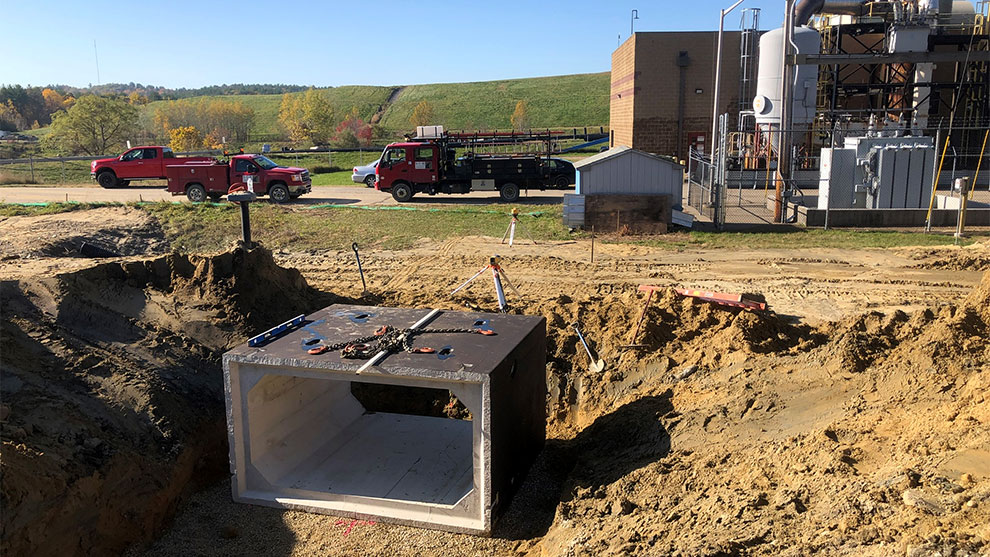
{"x":615,"y":444}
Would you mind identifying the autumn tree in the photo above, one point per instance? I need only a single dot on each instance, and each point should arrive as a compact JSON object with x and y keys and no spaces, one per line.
{"x":222,"y":119}
{"x":55,"y":101}
{"x":93,"y":126}
{"x":423,"y":114}
{"x":290,"y":115}
{"x":10,"y":118}
{"x":184,"y":139}
{"x":308,"y":117}
{"x":520,"y":118}
{"x":352,"y":132}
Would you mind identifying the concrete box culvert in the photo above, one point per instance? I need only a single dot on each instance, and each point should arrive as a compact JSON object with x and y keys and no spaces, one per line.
{"x":308,"y":432}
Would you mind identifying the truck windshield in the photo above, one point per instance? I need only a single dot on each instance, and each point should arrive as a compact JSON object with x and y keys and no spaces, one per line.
{"x":394,"y":155}
{"x":264,"y":162}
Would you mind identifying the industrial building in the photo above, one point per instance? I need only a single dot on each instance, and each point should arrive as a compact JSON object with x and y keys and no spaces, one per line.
{"x":661,"y":89}
{"x":885,"y":99}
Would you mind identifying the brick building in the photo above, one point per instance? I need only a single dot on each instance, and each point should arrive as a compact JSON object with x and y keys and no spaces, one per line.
{"x":662,"y":87}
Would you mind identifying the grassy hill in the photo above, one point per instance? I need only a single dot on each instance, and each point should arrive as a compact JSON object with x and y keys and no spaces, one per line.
{"x":560,"y":101}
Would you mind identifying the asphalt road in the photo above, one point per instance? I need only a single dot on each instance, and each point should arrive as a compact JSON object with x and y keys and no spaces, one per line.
{"x":343,"y":195}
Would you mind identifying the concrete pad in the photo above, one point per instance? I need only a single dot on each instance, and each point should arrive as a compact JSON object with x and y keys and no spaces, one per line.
{"x":299,"y":438}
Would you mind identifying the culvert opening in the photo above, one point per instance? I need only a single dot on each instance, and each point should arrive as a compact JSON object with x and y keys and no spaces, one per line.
{"x":314,"y":435}
{"x":414,"y":401}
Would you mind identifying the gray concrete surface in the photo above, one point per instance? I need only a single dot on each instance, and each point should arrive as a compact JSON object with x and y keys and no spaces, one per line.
{"x":344,"y":195}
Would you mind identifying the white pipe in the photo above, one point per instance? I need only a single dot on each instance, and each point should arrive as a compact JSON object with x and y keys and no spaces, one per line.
{"x":379,"y":356}
{"x":718,"y":75}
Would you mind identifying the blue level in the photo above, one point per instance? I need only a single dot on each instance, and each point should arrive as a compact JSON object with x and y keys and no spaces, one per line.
{"x":276,"y":331}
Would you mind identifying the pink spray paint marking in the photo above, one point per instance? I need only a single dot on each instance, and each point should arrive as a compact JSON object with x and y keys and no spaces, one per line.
{"x":352,"y":524}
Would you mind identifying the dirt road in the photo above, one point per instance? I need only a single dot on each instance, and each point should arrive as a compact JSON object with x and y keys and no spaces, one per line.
{"x":343,"y":195}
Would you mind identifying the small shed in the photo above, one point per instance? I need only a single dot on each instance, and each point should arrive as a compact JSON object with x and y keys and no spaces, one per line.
{"x":625,"y":171}
{"x":625,"y":190}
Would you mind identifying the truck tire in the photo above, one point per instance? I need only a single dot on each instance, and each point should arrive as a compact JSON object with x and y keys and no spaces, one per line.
{"x":196,"y":193}
{"x":561,"y":182}
{"x":509,"y":192}
{"x":106,"y":179}
{"x":278,"y":193}
{"x":402,"y":192}
{"x":369,"y":180}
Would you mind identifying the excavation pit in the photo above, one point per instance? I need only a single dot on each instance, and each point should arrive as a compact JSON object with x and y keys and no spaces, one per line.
{"x":437,"y":440}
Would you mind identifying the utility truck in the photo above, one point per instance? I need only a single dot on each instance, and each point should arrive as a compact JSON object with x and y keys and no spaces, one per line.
{"x":214,"y":178}
{"x":140,"y":163}
{"x":429,"y":163}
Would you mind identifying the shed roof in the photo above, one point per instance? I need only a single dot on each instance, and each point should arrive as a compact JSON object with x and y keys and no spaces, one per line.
{"x":619,"y":151}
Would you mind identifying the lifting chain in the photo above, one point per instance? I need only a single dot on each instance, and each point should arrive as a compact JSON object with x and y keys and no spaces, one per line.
{"x":390,"y":339}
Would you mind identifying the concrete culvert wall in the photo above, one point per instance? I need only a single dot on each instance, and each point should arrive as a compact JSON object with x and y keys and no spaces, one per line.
{"x":112,"y":396}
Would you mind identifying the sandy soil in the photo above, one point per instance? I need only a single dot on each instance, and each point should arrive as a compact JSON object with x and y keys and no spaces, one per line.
{"x":850,"y":419}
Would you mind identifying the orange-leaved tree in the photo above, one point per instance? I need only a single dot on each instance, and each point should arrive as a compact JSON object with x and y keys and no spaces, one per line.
{"x":184,"y":139}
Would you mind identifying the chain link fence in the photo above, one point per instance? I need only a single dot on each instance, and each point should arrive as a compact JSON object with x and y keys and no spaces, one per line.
{"x":739,"y":187}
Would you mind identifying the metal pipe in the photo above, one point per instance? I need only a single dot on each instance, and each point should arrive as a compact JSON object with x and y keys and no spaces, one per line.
{"x":807,"y":8}
{"x":786,"y":94}
{"x":718,"y":72}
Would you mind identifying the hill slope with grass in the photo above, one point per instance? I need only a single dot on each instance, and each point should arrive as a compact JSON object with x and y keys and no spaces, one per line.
{"x":559,"y":101}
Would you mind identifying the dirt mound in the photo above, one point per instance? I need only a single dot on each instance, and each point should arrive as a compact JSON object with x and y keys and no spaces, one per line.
{"x":863,"y":437}
{"x":974,"y":257}
{"x":112,"y":391}
{"x":120,"y":230}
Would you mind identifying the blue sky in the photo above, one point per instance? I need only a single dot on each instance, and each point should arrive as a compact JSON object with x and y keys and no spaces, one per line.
{"x":192,"y":44}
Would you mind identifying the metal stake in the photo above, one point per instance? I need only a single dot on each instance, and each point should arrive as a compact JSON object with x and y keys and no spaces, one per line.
{"x":364,"y":286}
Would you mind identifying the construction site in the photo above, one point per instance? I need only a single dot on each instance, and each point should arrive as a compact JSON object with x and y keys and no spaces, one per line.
{"x":593,"y":392}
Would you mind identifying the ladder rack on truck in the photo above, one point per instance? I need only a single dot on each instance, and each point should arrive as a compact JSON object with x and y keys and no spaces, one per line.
{"x":429,"y":163}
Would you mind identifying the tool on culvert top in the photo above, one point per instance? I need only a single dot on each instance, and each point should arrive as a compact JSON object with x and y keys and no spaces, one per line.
{"x":364,"y":286}
{"x":276,"y":331}
{"x":497,"y":275}
{"x":510,"y":232}
{"x":402,"y":338}
{"x":596,"y":364}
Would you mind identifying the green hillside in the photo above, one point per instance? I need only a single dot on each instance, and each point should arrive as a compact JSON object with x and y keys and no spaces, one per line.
{"x":366,"y":98}
{"x":555,"y":102}
{"x":560,"y":101}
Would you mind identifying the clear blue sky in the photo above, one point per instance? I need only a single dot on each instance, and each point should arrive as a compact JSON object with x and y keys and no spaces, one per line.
{"x":192,"y":44}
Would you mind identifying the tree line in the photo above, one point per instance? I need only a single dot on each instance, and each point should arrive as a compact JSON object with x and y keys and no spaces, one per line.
{"x":24,"y":108}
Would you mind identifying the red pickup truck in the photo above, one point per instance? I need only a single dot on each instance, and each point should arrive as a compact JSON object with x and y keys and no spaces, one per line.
{"x":139,"y":163}
{"x":213,"y":179}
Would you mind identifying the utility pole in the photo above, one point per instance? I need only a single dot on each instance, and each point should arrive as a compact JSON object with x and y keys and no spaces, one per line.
{"x":718,"y":74}
{"x":97,"y":56}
